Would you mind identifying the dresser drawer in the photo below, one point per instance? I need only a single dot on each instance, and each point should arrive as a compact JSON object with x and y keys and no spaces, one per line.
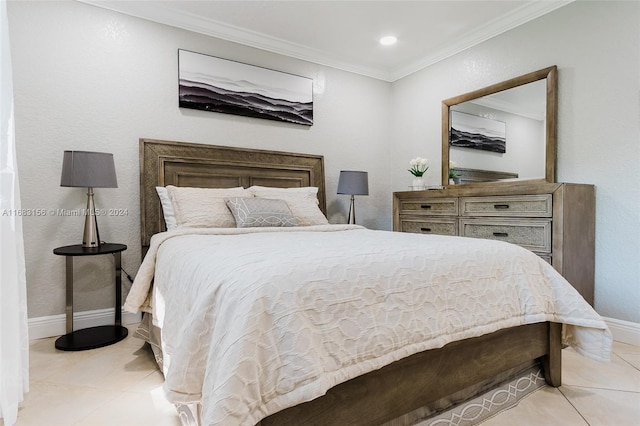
{"x":531,"y":234}
{"x":512,"y":206}
{"x":429,"y":226}
{"x":430,"y":207}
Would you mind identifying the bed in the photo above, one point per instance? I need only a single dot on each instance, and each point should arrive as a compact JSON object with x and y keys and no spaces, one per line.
{"x":222,"y":348}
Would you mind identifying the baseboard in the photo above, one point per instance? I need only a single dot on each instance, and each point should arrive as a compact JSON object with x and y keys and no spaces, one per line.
{"x":624,"y":331}
{"x":56,"y":325}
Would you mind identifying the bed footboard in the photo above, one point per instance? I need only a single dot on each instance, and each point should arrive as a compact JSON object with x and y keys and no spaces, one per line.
{"x":413,"y":382}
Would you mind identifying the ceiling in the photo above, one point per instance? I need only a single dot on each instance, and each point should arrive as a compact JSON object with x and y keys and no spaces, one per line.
{"x":344,"y":34}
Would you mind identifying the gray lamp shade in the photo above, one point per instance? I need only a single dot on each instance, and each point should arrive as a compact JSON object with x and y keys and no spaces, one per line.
{"x":88,"y":169}
{"x":353,"y":183}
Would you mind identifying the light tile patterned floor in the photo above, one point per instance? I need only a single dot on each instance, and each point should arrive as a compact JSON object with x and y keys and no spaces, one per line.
{"x":119,"y":385}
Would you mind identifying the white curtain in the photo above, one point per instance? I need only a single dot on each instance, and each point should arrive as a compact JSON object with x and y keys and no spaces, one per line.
{"x":14,"y":338}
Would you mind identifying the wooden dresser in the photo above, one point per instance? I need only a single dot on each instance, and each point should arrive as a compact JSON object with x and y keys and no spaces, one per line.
{"x":554,"y":220}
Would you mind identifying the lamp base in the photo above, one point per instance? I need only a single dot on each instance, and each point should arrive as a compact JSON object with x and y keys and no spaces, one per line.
{"x":352,"y":211}
{"x":91,"y":236}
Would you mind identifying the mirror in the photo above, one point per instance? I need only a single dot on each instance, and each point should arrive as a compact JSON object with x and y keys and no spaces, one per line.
{"x":502,"y":133}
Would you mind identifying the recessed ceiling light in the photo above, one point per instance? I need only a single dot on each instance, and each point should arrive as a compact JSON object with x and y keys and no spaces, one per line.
{"x":388,"y":40}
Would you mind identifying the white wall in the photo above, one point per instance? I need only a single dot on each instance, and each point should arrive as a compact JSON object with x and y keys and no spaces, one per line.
{"x":90,"y":79}
{"x":596,"y":48}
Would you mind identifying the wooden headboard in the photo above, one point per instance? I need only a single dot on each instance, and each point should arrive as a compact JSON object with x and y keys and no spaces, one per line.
{"x":208,"y":166}
{"x":477,"y":175}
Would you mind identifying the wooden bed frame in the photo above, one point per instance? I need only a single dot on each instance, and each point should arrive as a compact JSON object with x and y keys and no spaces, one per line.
{"x":384,"y":394}
{"x":478,"y":175}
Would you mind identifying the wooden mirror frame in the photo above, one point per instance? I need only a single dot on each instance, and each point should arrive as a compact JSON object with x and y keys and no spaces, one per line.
{"x":551,"y":75}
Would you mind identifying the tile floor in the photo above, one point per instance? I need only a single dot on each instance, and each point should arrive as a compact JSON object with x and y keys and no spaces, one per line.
{"x":119,"y":385}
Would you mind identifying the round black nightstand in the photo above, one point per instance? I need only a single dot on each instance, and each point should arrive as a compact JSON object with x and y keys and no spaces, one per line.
{"x":93,"y":337}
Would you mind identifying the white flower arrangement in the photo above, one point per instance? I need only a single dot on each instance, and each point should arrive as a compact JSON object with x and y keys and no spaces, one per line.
{"x":419,"y":166}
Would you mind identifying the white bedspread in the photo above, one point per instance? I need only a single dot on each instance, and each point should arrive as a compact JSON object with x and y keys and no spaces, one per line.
{"x":256,"y":320}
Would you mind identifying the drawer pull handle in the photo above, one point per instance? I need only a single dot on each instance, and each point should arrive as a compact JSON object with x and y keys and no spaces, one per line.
{"x":425,"y":206}
{"x":500,"y":234}
{"x":501,"y":206}
{"x":425,"y":229}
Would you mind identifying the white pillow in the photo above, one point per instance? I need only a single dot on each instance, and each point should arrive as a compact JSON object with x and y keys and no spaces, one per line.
{"x":303,"y":202}
{"x":167,"y":208}
{"x":204,"y":207}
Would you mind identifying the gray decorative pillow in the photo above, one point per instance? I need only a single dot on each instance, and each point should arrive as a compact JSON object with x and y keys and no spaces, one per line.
{"x":260,"y":212}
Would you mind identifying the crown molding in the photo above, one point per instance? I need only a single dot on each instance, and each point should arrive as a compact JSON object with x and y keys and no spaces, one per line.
{"x":521,"y":109}
{"x":520,"y":16}
{"x":163,"y":13}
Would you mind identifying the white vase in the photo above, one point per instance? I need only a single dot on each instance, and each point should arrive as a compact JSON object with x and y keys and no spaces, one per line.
{"x":451,"y":181}
{"x":418,"y":184}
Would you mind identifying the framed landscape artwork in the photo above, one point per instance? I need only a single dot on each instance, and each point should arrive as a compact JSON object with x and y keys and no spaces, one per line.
{"x":472,"y":131}
{"x":214,"y":84}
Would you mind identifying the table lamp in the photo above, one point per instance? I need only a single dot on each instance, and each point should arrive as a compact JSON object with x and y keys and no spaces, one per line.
{"x":90,"y":170}
{"x":353,"y":183}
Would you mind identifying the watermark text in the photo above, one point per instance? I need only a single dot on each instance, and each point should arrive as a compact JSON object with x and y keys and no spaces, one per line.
{"x":62,"y":212}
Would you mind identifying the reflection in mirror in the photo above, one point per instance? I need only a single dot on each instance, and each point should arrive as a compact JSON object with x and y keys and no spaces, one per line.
{"x":504,"y":132}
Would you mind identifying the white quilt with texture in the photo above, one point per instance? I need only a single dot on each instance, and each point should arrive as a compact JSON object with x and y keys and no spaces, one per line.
{"x":256,"y":320}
